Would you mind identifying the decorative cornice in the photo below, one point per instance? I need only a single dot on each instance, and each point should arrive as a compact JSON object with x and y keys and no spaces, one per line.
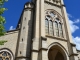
{"x":43,"y":38}
{"x":43,"y":49}
{"x":35,"y":50}
{"x":40,"y":50}
{"x":52,"y":4}
{"x":73,"y":54}
{"x":73,"y":44}
{"x":58,"y":38}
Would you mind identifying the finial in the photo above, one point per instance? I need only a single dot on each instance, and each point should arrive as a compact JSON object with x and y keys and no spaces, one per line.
{"x":29,"y":5}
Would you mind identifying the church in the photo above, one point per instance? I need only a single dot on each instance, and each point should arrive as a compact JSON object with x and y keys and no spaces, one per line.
{"x":42,"y":33}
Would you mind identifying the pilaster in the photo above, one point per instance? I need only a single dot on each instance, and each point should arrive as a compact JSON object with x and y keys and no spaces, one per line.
{"x":36,"y":27}
{"x":35,"y":40}
{"x":43,"y":55}
{"x":42,"y":18}
{"x":39,"y":43}
{"x":43,"y":39}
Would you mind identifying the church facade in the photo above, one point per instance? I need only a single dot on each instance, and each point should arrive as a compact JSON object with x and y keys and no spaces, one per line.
{"x":42,"y":33}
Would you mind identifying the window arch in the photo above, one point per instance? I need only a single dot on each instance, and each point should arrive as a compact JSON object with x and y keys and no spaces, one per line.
{"x":53,"y":24}
{"x":52,"y":14}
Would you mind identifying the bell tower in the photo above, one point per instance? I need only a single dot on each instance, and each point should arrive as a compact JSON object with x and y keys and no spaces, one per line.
{"x":44,"y":32}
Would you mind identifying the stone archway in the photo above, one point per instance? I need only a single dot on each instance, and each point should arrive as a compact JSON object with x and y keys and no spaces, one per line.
{"x":56,"y":53}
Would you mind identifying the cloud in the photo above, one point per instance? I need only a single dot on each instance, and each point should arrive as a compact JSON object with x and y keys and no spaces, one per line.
{"x":77,"y":42}
{"x":11,"y":28}
{"x":77,"y":21}
{"x":73,"y":25}
{"x":73,"y":28}
{"x":69,"y":15}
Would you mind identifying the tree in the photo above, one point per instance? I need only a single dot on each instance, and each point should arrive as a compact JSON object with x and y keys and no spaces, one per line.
{"x":2,"y":19}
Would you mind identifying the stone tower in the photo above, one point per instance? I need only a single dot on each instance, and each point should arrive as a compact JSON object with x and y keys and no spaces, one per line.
{"x":45,"y":33}
{"x":42,"y":33}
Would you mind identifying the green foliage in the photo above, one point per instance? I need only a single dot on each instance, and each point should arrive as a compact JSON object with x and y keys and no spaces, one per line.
{"x":2,"y":2}
{"x":2,"y":42}
{"x":2,"y":10}
{"x":2,"y":19}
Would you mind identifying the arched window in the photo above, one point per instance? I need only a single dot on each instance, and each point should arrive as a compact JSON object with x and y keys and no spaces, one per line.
{"x":53,"y":26}
{"x":56,"y":29}
{"x":60,"y":30}
{"x":46,"y":26}
{"x":50,"y":28}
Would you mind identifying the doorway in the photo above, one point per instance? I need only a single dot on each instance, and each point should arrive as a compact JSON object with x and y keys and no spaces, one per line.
{"x":56,"y":53}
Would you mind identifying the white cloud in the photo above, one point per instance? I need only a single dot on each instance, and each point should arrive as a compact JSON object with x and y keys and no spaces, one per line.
{"x":73,"y":28}
{"x":73,"y":25}
{"x":77,"y":21}
{"x":11,"y":28}
{"x":69,"y":15}
{"x":77,"y":42}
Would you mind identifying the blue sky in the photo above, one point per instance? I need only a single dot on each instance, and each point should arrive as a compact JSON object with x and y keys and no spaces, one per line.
{"x":15,"y":8}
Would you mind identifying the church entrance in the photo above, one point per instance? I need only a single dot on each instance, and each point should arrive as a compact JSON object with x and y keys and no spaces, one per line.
{"x":59,"y":56}
{"x":56,"y":53}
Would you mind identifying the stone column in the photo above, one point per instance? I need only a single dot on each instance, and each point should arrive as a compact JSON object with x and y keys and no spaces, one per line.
{"x":43,"y":40}
{"x":42,"y":18}
{"x":24,"y":47}
{"x":35,"y":40}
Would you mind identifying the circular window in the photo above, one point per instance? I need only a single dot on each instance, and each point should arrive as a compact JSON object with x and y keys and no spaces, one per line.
{"x":5,"y":55}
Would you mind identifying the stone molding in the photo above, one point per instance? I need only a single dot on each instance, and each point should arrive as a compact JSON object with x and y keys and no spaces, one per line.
{"x":52,"y":4}
{"x":73,"y":54}
{"x":43,"y":38}
{"x":39,"y":50}
{"x":72,"y":44}
{"x":62,"y":39}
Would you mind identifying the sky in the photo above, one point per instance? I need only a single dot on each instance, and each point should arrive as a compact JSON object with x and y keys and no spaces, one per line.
{"x":15,"y":8}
